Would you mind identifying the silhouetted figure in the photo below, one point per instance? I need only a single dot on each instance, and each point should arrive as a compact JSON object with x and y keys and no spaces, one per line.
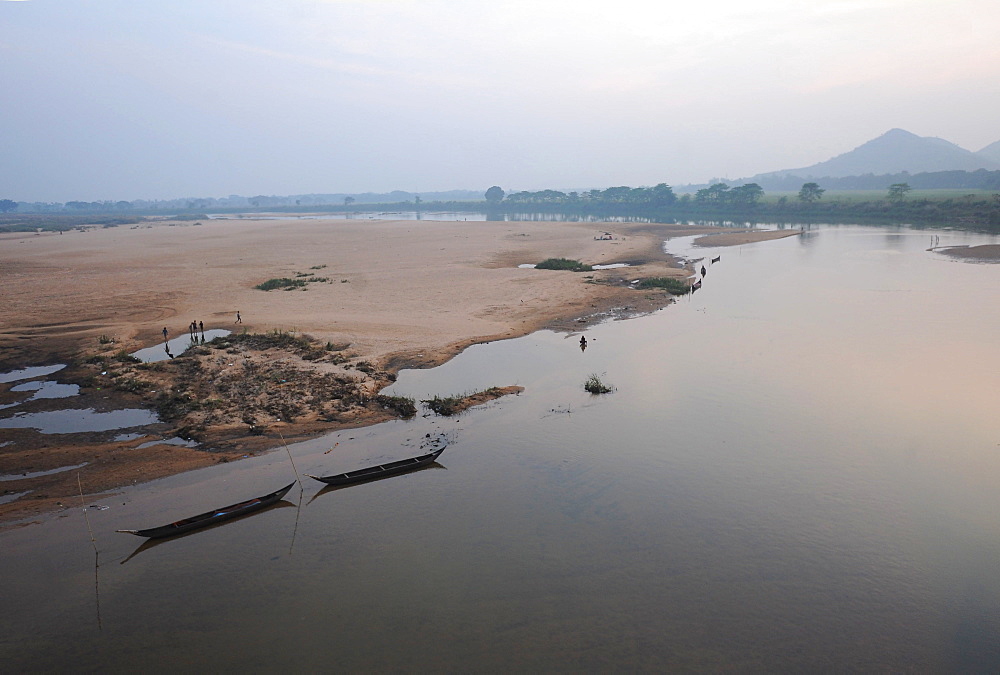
{"x":164,"y":333}
{"x":583,"y":343}
{"x":201,"y":327}
{"x":238,"y":318}
{"x":703,"y":270}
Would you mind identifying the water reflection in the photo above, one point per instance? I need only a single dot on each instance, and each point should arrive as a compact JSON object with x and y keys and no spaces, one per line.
{"x":178,"y":345}
{"x":72,"y":421}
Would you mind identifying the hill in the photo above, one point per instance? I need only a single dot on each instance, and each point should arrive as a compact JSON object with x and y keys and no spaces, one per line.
{"x":896,"y":151}
{"x":991,"y":152}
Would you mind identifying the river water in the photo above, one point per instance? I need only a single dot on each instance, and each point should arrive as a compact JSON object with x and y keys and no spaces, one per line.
{"x":798,"y":470}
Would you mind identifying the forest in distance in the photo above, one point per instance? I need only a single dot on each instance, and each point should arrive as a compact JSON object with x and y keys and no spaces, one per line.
{"x":948,"y":198}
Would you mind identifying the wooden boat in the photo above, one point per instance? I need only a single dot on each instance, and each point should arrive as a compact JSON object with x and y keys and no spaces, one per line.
{"x":212,"y":517}
{"x":380,"y":471}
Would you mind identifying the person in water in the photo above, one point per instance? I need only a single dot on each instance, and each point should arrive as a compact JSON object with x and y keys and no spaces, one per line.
{"x":583,"y":342}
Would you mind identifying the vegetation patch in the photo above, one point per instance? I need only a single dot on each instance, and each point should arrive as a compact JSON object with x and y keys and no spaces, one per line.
{"x":452,"y":405}
{"x":563,"y":264}
{"x":595,"y":385}
{"x":283,"y":283}
{"x":672,"y":285}
{"x":404,"y":406}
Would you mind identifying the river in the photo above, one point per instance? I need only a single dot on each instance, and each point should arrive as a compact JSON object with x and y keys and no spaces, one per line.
{"x":798,"y":470}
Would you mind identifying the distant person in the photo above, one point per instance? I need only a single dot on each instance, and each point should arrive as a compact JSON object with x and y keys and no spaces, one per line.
{"x":164,"y":333}
{"x":583,"y":343}
{"x":239,"y":319}
{"x":201,"y":327}
{"x":703,"y":270}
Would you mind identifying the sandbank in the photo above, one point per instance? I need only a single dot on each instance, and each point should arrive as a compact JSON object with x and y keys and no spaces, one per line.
{"x":393,"y":294}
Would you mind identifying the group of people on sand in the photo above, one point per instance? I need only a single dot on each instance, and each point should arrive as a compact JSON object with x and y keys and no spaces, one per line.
{"x":196,"y":327}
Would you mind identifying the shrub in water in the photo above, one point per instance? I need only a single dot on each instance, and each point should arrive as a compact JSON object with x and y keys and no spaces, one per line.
{"x":595,"y":386}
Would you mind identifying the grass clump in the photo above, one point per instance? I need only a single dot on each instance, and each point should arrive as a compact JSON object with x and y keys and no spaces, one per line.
{"x":445,"y":405}
{"x":595,"y":385}
{"x":283,"y":282}
{"x":123,"y":356}
{"x":563,"y":264}
{"x":404,"y":406}
{"x":106,"y":340}
{"x":672,"y":285}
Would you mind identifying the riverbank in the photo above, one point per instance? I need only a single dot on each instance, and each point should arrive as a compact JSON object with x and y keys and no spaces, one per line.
{"x":375,"y":297}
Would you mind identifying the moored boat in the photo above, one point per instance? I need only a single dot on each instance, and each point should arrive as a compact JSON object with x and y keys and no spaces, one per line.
{"x":212,"y":517}
{"x":381,"y":470}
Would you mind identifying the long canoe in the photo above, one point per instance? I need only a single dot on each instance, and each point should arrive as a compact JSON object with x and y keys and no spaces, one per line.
{"x":380,"y":471}
{"x":212,"y":517}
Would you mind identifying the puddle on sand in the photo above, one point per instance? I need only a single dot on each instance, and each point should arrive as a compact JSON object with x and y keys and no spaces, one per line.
{"x":610,"y":266}
{"x":28,"y":373}
{"x":167,"y":441}
{"x":74,"y":421}
{"x":126,"y":437}
{"x":11,"y":497}
{"x":48,"y":389}
{"x":177,"y":346}
{"x":35,"y":474}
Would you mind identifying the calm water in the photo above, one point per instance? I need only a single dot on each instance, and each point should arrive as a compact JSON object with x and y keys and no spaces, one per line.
{"x":799,"y":471}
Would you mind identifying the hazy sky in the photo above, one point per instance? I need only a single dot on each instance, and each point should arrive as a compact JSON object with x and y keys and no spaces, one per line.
{"x":122,"y":99}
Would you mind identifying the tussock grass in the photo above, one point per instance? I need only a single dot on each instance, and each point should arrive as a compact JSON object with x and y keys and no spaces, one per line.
{"x":563,"y":264}
{"x":672,"y":285}
{"x":282,"y":282}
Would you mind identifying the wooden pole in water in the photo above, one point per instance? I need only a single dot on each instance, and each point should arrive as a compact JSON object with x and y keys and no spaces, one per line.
{"x":97,"y":555}
{"x":301,"y":492}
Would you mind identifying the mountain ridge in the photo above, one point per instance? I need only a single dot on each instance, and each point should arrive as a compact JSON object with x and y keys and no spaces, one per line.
{"x":896,"y":151}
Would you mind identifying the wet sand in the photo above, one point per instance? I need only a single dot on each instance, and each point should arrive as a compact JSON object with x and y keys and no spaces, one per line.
{"x":985,"y":253}
{"x":393,"y":294}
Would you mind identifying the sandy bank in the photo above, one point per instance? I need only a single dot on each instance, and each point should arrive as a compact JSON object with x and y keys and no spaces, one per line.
{"x":391,"y":294}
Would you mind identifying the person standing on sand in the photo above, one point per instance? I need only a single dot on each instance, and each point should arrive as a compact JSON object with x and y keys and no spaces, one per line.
{"x":238,"y":318}
{"x":201,"y":327}
{"x":164,"y":333}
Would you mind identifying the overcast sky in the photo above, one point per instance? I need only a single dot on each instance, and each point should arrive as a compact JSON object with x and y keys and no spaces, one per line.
{"x":144,"y":100}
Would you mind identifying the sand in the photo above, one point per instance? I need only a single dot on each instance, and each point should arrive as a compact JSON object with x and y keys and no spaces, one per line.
{"x":400,"y":293}
{"x":983,"y":253}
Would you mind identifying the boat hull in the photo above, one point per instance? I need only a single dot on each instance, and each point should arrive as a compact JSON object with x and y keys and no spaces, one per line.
{"x":212,"y":517}
{"x":380,"y":471}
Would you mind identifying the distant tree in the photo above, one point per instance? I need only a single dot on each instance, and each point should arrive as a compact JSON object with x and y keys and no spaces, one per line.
{"x":663,"y":195}
{"x":810,"y":192}
{"x":348,"y":201}
{"x":897,"y":192}
{"x":7,"y":205}
{"x":716,"y":193}
{"x":495,"y":194}
{"x":746,"y":195}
